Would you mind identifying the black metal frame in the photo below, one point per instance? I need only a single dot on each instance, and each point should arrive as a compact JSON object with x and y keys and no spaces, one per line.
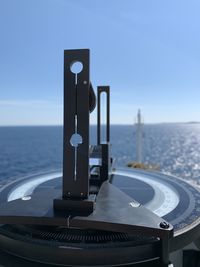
{"x":76,"y":121}
{"x":100,"y":90}
{"x":104,"y":144}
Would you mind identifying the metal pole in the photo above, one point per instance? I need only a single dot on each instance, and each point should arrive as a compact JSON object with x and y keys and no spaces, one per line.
{"x":139,"y":136}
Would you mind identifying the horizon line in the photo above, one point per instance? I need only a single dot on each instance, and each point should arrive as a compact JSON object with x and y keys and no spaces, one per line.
{"x":94,"y":124}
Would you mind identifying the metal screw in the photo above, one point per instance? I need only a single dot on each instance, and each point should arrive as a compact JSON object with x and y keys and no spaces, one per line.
{"x":68,"y":193}
{"x":134,"y":204}
{"x":164,"y":225}
{"x":85,"y":82}
{"x":26,"y":198}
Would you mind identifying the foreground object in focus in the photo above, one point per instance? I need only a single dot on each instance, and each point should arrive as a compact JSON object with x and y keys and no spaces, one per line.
{"x":87,"y":204}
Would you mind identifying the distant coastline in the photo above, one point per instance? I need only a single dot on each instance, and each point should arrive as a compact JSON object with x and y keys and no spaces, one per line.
{"x":193,"y":122}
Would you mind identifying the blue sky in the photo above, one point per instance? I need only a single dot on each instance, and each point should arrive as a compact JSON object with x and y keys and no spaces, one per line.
{"x":147,"y":51}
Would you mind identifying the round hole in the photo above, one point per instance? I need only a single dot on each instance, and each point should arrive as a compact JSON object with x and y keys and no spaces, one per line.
{"x":76,"y":139}
{"x":76,"y":67}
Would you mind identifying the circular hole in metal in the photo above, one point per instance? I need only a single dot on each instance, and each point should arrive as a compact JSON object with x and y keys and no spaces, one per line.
{"x":76,"y":139}
{"x":26,"y":198}
{"x":76,"y":67}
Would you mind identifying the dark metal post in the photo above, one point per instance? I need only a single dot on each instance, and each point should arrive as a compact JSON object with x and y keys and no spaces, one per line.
{"x":76,"y":125}
{"x":165,"y":252}
{"x":105,"y":146}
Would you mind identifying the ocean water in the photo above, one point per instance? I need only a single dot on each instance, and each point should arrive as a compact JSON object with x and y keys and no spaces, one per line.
{"x":174,"y":147}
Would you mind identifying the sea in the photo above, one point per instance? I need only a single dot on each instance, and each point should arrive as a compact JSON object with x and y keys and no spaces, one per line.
{"x":174,"y":147}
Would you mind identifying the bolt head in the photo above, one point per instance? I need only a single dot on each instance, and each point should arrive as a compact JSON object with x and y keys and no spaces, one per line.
{"x":25,"y":198}
{"x":164,"y":225}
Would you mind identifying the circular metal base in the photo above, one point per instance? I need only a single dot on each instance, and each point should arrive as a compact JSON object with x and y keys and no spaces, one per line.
{"x":169,"y":197}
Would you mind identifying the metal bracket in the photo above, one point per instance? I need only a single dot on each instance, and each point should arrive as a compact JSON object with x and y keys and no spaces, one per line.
{"x":76,"y":125}
{"x":100,"y":90}
{"x":105,"y":145}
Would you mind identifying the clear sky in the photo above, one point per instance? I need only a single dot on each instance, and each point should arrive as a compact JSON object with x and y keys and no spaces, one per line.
{"x":148,"y":51}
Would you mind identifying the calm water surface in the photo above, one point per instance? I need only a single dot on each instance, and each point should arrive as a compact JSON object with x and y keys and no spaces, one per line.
{"x":175,"y":147}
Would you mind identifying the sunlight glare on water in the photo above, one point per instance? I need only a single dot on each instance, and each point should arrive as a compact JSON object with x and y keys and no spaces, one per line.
{"x":174,"y":147}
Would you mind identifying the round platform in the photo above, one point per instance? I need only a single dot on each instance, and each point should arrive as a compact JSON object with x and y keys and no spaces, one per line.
{"x":169,"y":197}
